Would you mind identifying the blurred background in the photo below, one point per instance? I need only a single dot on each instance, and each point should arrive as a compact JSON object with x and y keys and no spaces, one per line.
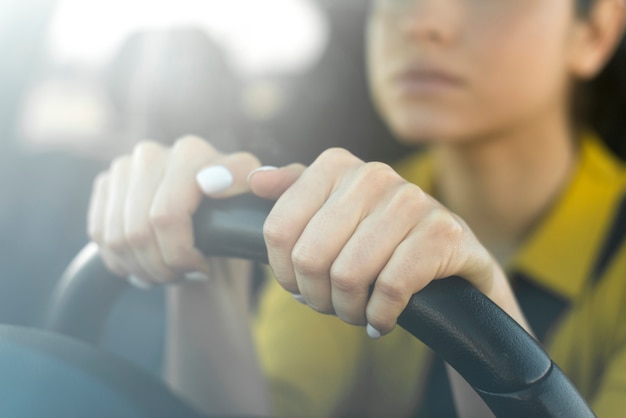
{"x":82,"y":81}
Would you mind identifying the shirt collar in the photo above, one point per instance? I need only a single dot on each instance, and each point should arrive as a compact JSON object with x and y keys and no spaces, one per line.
{"x":561,"y":251}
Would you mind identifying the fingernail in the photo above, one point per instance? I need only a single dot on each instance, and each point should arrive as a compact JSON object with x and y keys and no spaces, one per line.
{"x":372,"y":332}
{"x":299,"y":298}
{"x":215,"y":179}
{"x":261,"y":169}
{"x":197,"y":276}
{"x":139,"y":283}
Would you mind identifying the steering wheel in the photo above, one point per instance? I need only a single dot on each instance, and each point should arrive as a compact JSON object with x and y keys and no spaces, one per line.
{"x":504,"y":364}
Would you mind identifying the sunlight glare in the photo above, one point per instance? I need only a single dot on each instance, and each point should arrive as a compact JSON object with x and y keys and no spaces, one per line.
{"x":259,"y":36}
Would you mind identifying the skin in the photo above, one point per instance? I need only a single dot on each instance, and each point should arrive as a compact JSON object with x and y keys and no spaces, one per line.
{"x":487,"y":127}
{"x":487,"y":47}
{"x":487,"y":117}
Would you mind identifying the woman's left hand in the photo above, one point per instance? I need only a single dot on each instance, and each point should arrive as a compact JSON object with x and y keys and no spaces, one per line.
{"x":342,"y":225}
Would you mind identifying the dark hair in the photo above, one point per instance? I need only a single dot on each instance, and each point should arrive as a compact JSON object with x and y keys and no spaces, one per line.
{"x":601,"y":103}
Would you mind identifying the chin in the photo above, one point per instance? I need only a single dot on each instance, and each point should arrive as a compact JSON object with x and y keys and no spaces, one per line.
{"x":422,"y":127}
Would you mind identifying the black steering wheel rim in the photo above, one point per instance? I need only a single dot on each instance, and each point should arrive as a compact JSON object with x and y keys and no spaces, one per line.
{"x":504,"y":364}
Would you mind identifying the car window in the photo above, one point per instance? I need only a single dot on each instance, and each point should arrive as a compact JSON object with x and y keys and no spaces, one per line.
{"x":69,"y":105}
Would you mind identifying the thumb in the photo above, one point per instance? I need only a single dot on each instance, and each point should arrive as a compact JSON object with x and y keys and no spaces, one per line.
{"x":226,"y":176}
{"x":271,"y":182}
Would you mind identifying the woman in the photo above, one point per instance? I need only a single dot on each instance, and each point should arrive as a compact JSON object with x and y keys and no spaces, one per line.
{"x":510,"y":184}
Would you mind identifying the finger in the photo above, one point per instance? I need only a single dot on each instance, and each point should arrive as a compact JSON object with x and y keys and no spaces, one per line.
{"x":113,"y":263}
{"x":428,"y":253}
{"x":115,"y":248}
{"x":293,"y":212}
{"x":323,"y":239}
{"x":139,"y":283}
{"x":363,"y":190}
{"x":97,"y":206}
{"x":367,"y":252}
{"x":227,"y":176}
{"x":146,"y":173}
{"x":114,"y":211}
{"x":317,"y":248}
{"x":179,"y":195}
{"x":271,"y":182}
{"x":96,"y":224}
{"x":394,"y":287}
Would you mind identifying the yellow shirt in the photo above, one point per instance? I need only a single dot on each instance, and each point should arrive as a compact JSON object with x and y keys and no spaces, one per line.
{"x":573,"y":266}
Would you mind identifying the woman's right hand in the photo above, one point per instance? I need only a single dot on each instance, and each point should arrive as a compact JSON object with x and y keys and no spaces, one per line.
{"x":141,"y":208}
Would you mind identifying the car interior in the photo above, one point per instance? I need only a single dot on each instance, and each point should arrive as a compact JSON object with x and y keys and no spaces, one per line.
{"x":81,"y":82}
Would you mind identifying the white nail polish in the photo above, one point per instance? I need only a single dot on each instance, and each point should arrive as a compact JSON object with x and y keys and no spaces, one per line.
{"x":261,"y":169}
{"x":215,"y":179}
{"x":197,"y":276}
{"x":139,"y":283}
{"x":372,"y":332}
{"x":299,"y":298}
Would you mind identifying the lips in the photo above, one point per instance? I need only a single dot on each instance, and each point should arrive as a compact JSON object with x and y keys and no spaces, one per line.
{"x":420,"y":79}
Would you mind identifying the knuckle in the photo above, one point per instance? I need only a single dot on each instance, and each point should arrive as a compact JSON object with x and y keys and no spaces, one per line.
{"x":191,"y":144}
{"x":177,"y":259}
{"x":379,"y":170}
{"x":163,"y":219}
{"x":100,"y":180}
{"x":246,"y":158}
{"x":336,"y":156}
{"x":95,"y":233}
{"x":325,"y":309}
{"x":187,"y":140}
{"x":408,"y":198}
{"x":306,"y":262}
{"x":120,"y":163}
{"x":405,"y":201}
{"x":391,"y":291}
{"x":275,"y":236}
{"x":344,"y":281}
{"x":456,"y":229}
{"x":115,"y":243}
{"x":447,"y":225}
{"x":138,"y":237}
{"x":413,"y":193}
{"x":377,"y":175}
{"x":192,"y":151}
{"x":147,"y":150}
{"x":147,"y":147}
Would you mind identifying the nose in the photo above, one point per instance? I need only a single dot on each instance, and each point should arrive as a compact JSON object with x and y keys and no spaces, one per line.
{"x":431,"y":22}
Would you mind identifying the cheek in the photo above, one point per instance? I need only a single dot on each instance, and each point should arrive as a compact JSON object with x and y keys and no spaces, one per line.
{"x":522,"y":73}
{"x":407,"y":121}
{"x":515,"y":69}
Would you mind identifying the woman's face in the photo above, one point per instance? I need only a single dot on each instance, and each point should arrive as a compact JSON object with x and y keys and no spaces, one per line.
{"x":456,"y":70}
